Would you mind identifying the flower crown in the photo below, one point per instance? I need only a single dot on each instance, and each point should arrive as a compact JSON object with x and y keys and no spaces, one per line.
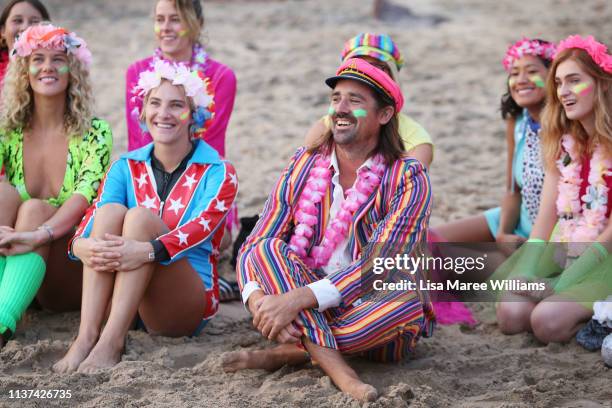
{"x":50,"y":37}
{"x":525,"y":46}
{"x":195,"y":85}
{"x":597,"y":50}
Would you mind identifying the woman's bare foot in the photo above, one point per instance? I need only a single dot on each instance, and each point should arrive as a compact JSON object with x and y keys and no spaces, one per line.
{"x":103,"y":355}
{"x":268,"y":359}
{"x":78,"y":351}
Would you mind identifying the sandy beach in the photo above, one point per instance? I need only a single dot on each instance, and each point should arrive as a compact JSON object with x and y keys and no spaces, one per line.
{"x":281,"y":52}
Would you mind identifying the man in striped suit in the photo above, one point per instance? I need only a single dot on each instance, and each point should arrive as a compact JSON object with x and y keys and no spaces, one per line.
{"x":351,"y":198}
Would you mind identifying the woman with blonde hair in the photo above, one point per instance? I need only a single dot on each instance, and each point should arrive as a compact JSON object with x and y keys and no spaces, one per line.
{"x":55,"y":153}
{"x":178,"y":26}
{"x":558,"y":283}
{"x":150,"y":242}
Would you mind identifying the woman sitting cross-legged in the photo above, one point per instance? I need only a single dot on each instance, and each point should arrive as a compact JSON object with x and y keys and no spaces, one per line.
{"x":149,"y":244}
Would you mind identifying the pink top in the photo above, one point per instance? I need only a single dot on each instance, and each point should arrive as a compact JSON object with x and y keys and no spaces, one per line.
{"x":223,"y":84}
{"x":4,"y":60}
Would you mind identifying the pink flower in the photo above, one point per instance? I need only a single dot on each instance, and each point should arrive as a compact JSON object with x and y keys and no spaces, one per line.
{"x":597,"y":50}
{"x":525,"y":46}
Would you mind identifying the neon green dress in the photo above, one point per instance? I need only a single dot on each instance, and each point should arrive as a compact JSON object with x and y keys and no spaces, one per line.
{"x":86,"y":163}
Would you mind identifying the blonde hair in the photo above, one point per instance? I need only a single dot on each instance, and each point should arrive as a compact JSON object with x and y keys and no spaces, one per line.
{"x":554,"y":121}
{"x":18,"y":99}
{"x":190,"y":102}
{"x":190,"y":12}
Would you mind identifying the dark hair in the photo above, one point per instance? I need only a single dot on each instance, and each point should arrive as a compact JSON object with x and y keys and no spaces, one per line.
{"x":7,"y":10}
{"x":508,"y":107}
{"x":390,"y":143}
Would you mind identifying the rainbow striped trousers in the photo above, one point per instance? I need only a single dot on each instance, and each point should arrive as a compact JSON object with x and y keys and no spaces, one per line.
{"x":384,"y":329}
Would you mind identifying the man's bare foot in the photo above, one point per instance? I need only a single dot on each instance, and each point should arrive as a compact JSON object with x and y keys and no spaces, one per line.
{"x":77,"y":352}
{"x":359,"y":390}
{"x":345,"y":378}
{"x":102,"y":356}
{"x":268,"y":359}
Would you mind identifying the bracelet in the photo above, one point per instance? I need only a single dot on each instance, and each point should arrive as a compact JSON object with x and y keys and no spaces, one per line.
{"x":49,"y":231}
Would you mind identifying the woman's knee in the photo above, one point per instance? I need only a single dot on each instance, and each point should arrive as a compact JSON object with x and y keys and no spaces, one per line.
{"x":32,"y":213}
{"x":141,"y":221}
{"x":550,"y":324}
{"x":9,"y":203}
{"x":513,"y":317}
{"x":108,"y":218}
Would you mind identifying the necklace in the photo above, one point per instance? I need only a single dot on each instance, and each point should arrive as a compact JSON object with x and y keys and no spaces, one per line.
{"x":581,"y":219}
{"x":317,"y":184}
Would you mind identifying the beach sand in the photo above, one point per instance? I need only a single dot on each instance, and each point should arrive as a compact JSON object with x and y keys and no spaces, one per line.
{"x":281,"y":51}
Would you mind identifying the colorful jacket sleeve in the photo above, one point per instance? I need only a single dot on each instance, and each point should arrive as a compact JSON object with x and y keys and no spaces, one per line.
{"x":212,"y":207}
{"x":274,"y":221}
{"x":401,"y":229}
{"x":113,"y":189}
{"x":96,"y":151}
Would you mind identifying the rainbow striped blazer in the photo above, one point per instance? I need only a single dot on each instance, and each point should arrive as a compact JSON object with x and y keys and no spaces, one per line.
{"x":392,"y":221}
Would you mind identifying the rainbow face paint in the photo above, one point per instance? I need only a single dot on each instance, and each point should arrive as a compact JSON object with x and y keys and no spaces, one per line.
{"x":64,"y":69}
{"x":511,"y":82}
{"x":157,"y":29}
{"x":360,"y":113}
{"x":582,"y":88}
{"x":34,"y":70}
{"x":537,"y":80}
{"x":183,"y":33}
{"x":184,"y":116}
{"x":331,"y":111}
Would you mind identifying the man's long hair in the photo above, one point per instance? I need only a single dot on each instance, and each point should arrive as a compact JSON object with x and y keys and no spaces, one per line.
{"x":390,"y":143}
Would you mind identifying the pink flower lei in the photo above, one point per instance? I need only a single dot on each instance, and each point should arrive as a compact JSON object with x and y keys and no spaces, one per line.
{"x":581,"y":221}
{"x":525,"y":46}
{"x":337,"y":229}
{"x":597,"y":50}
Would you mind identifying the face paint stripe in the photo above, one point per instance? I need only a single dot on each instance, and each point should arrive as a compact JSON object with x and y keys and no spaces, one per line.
{"x":360,"y":113}
{"x":331,"y":111}
{"x":184,"y":115}
{"x":537,"y":80}
{"x":582,"y":88}
{"x":64,"y":69}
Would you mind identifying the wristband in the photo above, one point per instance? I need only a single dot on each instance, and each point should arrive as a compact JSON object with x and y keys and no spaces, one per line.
{"x":535,"y":240}
{"x":602,"y":249}
{"x":49,"y":231}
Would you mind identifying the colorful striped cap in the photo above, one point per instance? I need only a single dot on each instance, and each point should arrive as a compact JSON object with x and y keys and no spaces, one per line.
{"x":379,"y":46}
{"x":362,"y":71}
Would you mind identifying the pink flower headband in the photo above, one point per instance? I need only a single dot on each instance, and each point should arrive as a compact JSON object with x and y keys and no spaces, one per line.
{"x":50,"y":37}
{"x":196,"y":87}
{"x":525,"y":46}
{"x":597,"y":50}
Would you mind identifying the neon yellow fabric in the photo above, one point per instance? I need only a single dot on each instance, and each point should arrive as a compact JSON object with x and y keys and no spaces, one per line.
{"x":87,"y":161}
